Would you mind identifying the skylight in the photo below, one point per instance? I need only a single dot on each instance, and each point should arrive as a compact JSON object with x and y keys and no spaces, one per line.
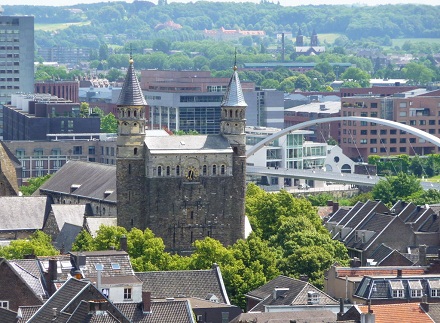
{"x":116,"y":266}
{"x":99,"y":266}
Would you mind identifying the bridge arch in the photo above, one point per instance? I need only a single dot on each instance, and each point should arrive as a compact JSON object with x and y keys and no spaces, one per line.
{"x":417,"y":132}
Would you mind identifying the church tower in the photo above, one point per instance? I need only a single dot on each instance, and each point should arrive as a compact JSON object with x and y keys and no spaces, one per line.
{"x":299,"y":38}
{"x":314,"y":39}
{"x":232,"y":125}
{"x":130,"y":170}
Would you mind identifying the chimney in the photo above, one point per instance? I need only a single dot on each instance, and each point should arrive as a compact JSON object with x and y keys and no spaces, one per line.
{"x":146,"y":302}
{"x":304,"y":278}
{"x":341,"y":310}
{"x":123,"y":242}
{"x":277,"y":292}
{"x":98,"y":279}
{"x":335,"y":206}
{"x":52,"y":275}
{"x":54,"y":312}
{"x":422,"y":255}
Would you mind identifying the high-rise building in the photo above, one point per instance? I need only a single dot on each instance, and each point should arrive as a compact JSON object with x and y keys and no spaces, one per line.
{"x":16,"y":58}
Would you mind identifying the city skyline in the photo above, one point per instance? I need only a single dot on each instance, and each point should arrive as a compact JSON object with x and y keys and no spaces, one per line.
{"x":281,"y":2}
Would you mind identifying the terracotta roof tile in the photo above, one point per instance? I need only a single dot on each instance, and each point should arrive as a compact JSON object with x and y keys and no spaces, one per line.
{"x":404,"y":312}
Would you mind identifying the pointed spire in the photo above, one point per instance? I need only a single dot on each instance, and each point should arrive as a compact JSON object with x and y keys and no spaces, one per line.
{"x":131,"y":93}
{"x":234,"y":94}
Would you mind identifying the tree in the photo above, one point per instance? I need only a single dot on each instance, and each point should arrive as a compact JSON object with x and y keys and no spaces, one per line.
{"x":84,"y":110}
{"x":418,"y":73}
{"x":38,"y":244}
{"x":357,"y":75}
{"x":394,"y":188}
{"x":109,"y":123}
{"x":161,"y":45}
{"x":33,"y":184}
{"x":114,"y":74}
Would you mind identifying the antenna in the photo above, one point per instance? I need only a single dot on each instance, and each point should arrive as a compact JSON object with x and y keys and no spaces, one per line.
{"x":235,"y":59}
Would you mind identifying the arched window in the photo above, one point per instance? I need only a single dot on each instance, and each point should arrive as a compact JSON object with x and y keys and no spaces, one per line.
{"x":214,"y":169}
{"x":222,"y":169}
{"x":103,"y":210}
{"x":159,"y":170}
{"x":135,"y":151}
{"x":236,"y":113}
{"x":205,"y":170}
{"x":168,"y":170}
{"x":177,"y":170}
{"x":135,"y":113}
{"x":230,"y":113}
{"x":128,"y":113}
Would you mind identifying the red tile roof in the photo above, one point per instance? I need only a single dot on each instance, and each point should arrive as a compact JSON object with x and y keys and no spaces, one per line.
{"x":405,"y":312}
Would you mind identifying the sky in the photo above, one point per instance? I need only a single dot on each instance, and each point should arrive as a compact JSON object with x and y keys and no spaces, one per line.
{"x":282,"y":2}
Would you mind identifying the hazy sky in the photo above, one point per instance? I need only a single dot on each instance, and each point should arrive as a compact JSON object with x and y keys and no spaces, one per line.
{"x":282,"y":2}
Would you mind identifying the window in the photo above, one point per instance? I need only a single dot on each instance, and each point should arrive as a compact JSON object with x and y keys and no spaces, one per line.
{"x":214,"y":169}
{"x":402,"y":140}
{"x":4,"y":304}
{"x":177,"y":170}
{"x":91,"y":150}
{"x":393,"y":131}
{"x":116,"y":266}
{"x":373,"y":132}
{"x":373,"y":141}
{"x":127,"y":293}
{"x":222,"y":169}
{"x":397,"y":288}
{"x":159,"y":170}
{"x":364,"y":132}
{"x":393,"y":140}
{"x":398,"y":293}
{"x":435,"y":292}
{"x":99,"y":266}
{"x":422,"y":122}
{"x":77,"y":150}
{"x":204,"y":169}
{"x":416,"y":288}
{"x":168,"y":170}
{"x":105,"y":292}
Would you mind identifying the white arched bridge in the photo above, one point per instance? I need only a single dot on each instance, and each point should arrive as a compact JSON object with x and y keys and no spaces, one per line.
{"x":355,"y":179}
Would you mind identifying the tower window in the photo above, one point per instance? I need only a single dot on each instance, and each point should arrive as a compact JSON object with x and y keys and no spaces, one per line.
{"x":236,"y":113}
{"x":177,"y":170}
{"x":128,"y":113}
{"x":204,"y":170}
{"x":135,"y":113}
{"x":230,"y":113}
{"x":214,"y":169}
{"x":159,"y":170}
{"x":135,"y":151}
{"x":168,"y":170}
{"x":222,"y":169}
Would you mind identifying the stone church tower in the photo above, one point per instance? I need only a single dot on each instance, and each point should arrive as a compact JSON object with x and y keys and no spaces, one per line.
{"x":183,"y":188}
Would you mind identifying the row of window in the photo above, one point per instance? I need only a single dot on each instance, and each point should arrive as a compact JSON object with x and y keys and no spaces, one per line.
{"x":177,"y":171}
{"x":415,"y":293}
{"x":9,"y":79}
{"x":9,"y":48}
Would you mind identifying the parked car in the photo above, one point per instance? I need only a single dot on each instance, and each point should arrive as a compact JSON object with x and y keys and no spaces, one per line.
{"x":303,"y":186}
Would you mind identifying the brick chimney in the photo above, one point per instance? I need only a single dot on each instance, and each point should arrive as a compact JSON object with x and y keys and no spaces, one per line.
{"x":123,"y":242}
{"x":146,"y":302}
{"x":52,"y":275}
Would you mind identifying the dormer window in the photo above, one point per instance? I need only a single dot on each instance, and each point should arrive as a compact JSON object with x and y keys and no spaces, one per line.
{"x":434,"y":286}
{"x":416,"y":288}
{"x":397,"y":289}
{"x":312,"y":297}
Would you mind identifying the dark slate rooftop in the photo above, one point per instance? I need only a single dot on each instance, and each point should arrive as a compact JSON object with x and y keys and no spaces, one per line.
{"x":22,"y":212}
{"x":185,"y":283}
{"x":97,"y":312}
{"x":381,"y":252}
{"x":89,"y":179}
{"x":234,"y":94}
{"x":131,"y":93}
{"x":30,"y":274}
{"x":7,"y":316}
{"x":294,"y":292}
{"x":65,"y":300}
{"x":173,"y":311}
{"x":381,"y":287}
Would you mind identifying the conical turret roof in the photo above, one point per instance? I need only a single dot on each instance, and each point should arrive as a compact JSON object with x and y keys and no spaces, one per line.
{"x":131,"y":93}
{"x":234,"y":94}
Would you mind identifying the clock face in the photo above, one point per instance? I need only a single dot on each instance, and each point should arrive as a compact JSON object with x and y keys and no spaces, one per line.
{"x":191,"y":173}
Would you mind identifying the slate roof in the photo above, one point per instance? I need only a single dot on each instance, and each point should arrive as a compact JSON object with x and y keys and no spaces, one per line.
{"x":234,"y":93}
{"x":131,"y":92}
{"x":101,"y":312}
{"x":67,"y":236}
{"x":24,"y":313}
{"x":175,"y":311}
{"x":296,"y":293}
{"x":94,"y":179}
{"x":30,"y":274}
{"x":433,"y":310}
{"x":185,"y":144}
{"x":403,"y":312}
{"x":314,"y":316}
{"x":63,"y":265}
{"x":94,"y":222}
{"x":185,"y":283}
{"x":65,"y":300}
{"x":380,"y":287}
{"x":23,"y":212}
{"x":7,"y":157}
{"x":7,"y":316}
{"x":381,"y":252}
{"x":106,"y":258}
{"x":69,"y":213}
